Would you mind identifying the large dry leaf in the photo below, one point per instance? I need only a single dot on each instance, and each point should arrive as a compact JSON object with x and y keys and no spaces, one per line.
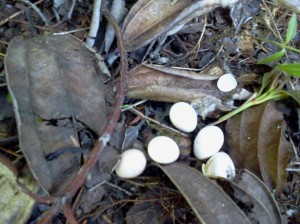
{"x":268,"y":144}
{"x":284,"y":155}
{"x":233,"y":140}
{"x":254,"y":209}
{"x":56,"y":94}
{"x":147,"y":20}
{"x":208,"y":201}
{"x":15,"y":205}
{"x":159,"y":83}
{"x":255,"y":187}
{"x":249,"y":134}
{"x":261,"y":146}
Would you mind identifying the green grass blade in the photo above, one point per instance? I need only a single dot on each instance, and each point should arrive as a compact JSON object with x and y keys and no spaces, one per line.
{"x":292,"y":29}
{"x":267,"y":78}
{"x":273,"y":57}
{"x":291,"y":69}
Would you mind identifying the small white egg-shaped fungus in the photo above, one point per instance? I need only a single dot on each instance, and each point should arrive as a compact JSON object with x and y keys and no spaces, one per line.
{"x":132,"y":163}
{"x":226,"y":83}
{"x":219,"y":165}
{"x":163,"y":149}
{"x":208,"y":142}
{"x":183,"y":116}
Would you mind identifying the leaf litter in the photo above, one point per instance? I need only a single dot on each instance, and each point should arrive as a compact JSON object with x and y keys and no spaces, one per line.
{"x":258,"y":139}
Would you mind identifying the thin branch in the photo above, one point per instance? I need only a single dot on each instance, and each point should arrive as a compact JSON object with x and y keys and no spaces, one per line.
{"x":93,"y":157}
{"x":49,"y":214}
{"x":44,"y":200}
{"x":71,"y":9}
{"x":69,"y":214}
{"x":38,"y":11}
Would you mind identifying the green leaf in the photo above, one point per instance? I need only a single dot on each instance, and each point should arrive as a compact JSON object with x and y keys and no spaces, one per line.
{"x":295,"y":94}
{"x":8,"y":99}
{"x":273,"y":57}
{"x":291,"y":69}
{"x":266,"y":81}
{"x":292,"y":29}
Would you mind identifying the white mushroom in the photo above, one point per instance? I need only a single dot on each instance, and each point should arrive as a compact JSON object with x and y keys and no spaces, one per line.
{"x":227,"y":82}
{"x":163,"y":150}
{"x":183,"y":116}
{"x":208,"y":141}
{"x":132,"y":163}
{"x":219,"y":165}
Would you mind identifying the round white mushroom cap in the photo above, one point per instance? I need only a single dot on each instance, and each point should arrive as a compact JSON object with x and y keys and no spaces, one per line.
{"x":163,"y":149}
{"x":208,"y":142}
{"x":132,"y":163}
{"x":227,"y":82}
{"x":183,"y":116}
{"x":219,"y":165}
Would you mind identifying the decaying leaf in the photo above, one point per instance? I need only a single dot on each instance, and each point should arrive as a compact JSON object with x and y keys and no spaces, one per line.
{"x":254,"y":209}
{"x":15,"y":205}
{"x":233,"y":140}
{"x":260,"y":143}
{"x":147,"y":20}
{"x":169,"y":85}
{"x":208,"y":201}
{"x":255,"y":187}
{"x":57,"y":96}
{"x":268,"y":144}
{"x":249,"y":134}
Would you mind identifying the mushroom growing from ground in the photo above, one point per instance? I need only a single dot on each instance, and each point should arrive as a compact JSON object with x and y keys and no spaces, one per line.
{"x":208,"y":142}
{"x":219,"y":165}
{"x":226,"y":83}
{"x":183,"y":116}
{"x":163,"y":149}
{"x":132,"y":163}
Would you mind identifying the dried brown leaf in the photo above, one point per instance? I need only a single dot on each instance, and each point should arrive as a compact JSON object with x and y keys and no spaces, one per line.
{"x":253,"y":208}
{"x":208,"y":201}
{"x":165,"y":84}
{"x":254,"y":186}
{"x":261,"y":146}
{"x":284,"y":155}
{"x":249,"y":134}
{"x":233,"y":140}
{"x":147,"y":20}
{"x":268,"y":144}
{"x":55,"y":91}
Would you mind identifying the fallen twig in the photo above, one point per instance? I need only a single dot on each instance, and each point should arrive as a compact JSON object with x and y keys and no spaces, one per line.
{"x":90,"y":40}
{"x":38,"y":11}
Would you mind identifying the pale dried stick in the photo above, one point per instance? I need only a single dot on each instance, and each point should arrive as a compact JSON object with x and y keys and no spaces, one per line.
{"x":90,"y":40}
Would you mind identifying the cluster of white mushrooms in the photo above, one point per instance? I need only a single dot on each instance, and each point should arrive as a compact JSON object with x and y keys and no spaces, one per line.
{"x":165,"y":150}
